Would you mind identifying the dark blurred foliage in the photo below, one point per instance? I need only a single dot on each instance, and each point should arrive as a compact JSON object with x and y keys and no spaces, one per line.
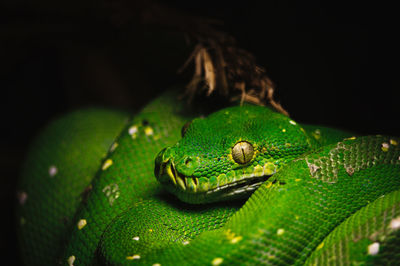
{"x":334,"y":63}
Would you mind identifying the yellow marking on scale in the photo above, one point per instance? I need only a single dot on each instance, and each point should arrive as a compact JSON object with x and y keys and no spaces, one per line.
{"x":236,"y":239}
{"x":393,"y":142}
{"x":269,"y":168}
{"x":283,"y":130}
{"x":316,"y":134}
{"x":107,"y":164}
{"x":217,"y":261}
{"x":258,"y":170}
{"x":297,"y":179}
{"x":133,"y":257}
{"x":280,"y":231}
{"x":385,"y":146}
{"x":269,"y":184}
{"x":148,"y":131}
{"x":71,"y":260}
{"x":320,"y":246}
{"x":81,"y":223}
{"x":229,"y":234}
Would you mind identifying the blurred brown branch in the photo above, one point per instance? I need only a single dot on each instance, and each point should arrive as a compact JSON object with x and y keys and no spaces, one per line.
{"x":219,"y":65}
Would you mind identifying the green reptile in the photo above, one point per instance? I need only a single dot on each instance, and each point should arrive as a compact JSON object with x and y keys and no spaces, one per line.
{"x":243,"y":185}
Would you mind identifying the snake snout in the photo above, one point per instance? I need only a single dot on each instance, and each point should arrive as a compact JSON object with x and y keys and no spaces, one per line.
{"x":176,"y":172}
{"x":166,"y":172}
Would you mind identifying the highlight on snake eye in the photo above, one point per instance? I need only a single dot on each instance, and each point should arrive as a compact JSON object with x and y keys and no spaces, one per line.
{"x":199,"y":133}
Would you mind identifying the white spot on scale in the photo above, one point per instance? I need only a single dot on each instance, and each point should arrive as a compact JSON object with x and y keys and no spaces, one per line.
{"x":114,"y":146}
{"x":52,"y":171}
{"x":133,"y":130}
{"x":292,"y":122}
{"x":156,"y":264}
{"x":373,"y":249}
{"x":313,"y":168}
{"x":395,"y":223}
{"x":111,"y":192}
{"x":136,"y":238}
{"x":185,"y":242}
{"x":350,"y":170}
{"x":71,"y":260}
{"x":280,"y":231}
{"x":22,"y":197}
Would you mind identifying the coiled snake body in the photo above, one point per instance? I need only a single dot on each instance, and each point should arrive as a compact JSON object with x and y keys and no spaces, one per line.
{"x":322,"y":196}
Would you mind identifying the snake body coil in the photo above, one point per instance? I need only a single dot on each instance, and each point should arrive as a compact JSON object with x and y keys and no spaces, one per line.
{"x":321,"y":196}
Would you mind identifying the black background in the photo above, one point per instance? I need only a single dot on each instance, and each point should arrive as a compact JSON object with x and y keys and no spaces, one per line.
{"x":334,"y":63}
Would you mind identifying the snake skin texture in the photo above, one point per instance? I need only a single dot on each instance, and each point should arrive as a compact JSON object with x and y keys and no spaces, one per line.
{"x":101,"y":189}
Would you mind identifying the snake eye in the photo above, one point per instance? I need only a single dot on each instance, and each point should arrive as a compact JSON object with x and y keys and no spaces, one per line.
{"x":184,"y":128}
{"x":242,"y":152}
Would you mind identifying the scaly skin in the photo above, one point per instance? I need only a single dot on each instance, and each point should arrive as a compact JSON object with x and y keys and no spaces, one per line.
{"x":318,"y":193}
{"x":60,"y":165}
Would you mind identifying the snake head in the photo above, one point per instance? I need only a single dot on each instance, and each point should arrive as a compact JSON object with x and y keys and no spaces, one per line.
{"x":229,"y":154}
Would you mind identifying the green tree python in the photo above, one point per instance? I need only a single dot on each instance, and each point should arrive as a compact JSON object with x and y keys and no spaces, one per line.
{"x":241,"y":186}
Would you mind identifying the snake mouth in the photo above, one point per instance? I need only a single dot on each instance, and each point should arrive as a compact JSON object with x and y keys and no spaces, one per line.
{"x":238,"y":183}
{"x":235,"y":190}
{"x":190,"y":190}
{"x":240,"y":187}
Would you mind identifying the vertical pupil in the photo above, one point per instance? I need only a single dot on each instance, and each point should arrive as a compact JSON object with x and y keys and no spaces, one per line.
{"x":242,"y":152}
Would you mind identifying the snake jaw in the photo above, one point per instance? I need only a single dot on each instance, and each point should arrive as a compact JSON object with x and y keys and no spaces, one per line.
{"x":193,"y":190}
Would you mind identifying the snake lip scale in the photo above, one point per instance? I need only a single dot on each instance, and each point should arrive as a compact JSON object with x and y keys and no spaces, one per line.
{"x":240,"y":188}
{"x":177,"y":183}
